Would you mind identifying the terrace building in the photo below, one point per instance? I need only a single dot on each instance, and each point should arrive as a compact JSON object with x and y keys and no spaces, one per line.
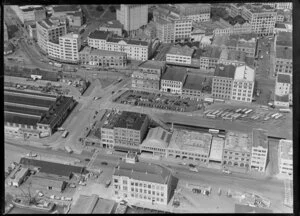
{"x":31,"y":13}
{"x":129,"y":131}
{"x":243,"y":42}
{"x":180,"y":55}
{"x":284,"y":60}
{"x":135,"y":49}
{"x":32,"y":114}
{"x":195,"y":12}
{"x":260,"y":150}
{"x":233,"y":57}
{"x":223,"y":81}
{"x":209,"y":57}
{"x":103,"y":58}
{"x":172,"y":80}
{"x":285,"y":154}
{"x":190,"y":145}
{"x":243,"y":84}
{"x":193,"y":86}
{"x":237,"y":150}
{"x":148,"y":76}
{"x":49,"y":30}
{"x":142,"y":182}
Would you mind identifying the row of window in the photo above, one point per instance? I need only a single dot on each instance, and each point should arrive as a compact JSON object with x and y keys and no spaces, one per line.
{"x":140,"y":196}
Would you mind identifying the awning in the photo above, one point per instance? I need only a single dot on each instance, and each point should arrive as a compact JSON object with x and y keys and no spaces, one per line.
{"x":127,"y":149}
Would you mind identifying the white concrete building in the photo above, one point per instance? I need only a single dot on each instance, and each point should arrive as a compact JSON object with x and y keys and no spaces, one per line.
{"x":284,"y":60}
{"x":259,"y":150}
{"x":180,"y":55}
{"x":243,"y":84}
{"x":49,"y":30}
{"x":216,"y":150}
{"x":142,"y":182}
{"x":182,"y":29}
{"x":133,"y":16}
{"x":286,"y":157}
{"x":29,"y":13}
{"x":65,"y":49}
{"x":283,"y":84}
{"x":135,"y":49}
{"x":195,"y":12}
{"x":172,"y":80}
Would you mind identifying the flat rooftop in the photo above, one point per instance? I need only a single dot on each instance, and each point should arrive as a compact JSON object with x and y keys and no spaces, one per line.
{"x":152,"y":64}
{"x":284,"y":39}
{"x":131,"y":120}
{"x":102,"y":35}
{"x":128,"y":41}
{"x":179,"y":50}
{"x":143,"y":172}
{"x":227,"y":71}
{"x":283,"y":78}
{"x":174,"y":74}
{"x":6,"y":90}
{"x":52,"y":22}
{"x":284,"y":52}
{"x":103,"y":206}
{"x":286,"y":149}
{"x":260,"y":138}
{"x":244,"y":73}
{"x":239,"y":142}
{"x":21,"y":119}
{"x":216,"y":151}
{"x":211,"y":52}
{"x":192,"y":141}
{"x":31,"y":8}
{"x":112,"y":24}
{"x":66,"y":8}
{"x":111,"y":120}
{"x":24,"y":110}
{"x":194,"y":82}
{"x":157,"y":138}
{"x":233,"y":55}
{"x":28,"y":101}
{"x":84,"y":205}
{"x":93,"y":51}
{"x":70,"y":35}
{"x":283,"y":98}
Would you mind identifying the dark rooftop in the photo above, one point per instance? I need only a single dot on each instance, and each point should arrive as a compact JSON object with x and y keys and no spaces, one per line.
{"x":227,"y":71}
{"x":211,"y":52}
{"x":283,"y":78}
{"x":130,"y":120}
{"x":152,"y":64}
{"x":144,"y":172}
{"x":194,"y":81}
{"x":53,"y":168}
{"x":28,"y":101}
{"x":260,"y":138}
{"x":284,"y":39}
{"x":20,"y":119}
{"x":174,"y":74}
{"x":280,"y":25}
{"x":24,"y":110}
{"x":28,"y":93}
{"x":99,"y":35}
{"x":62,"y":8}
{"x":284,"y":98}
{"x":239,"y":208}
{"x":284,"y":52}
{"x":112,"y":24}
{"x":32,"y":9}
{"x":128,"y":41}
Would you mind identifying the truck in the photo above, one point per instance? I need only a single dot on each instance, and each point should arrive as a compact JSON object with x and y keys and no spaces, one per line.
{"x":107,"y":183}
{"x":35,"y":77}
{"x":68,"y":149}
{"x":65,"y":134}
{"x":284,"y":110}
{"x":209,"y":100}
{"x":44,"y":134}
{"x":210,"y":116}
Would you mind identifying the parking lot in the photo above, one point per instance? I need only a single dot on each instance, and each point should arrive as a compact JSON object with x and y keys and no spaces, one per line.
{"x":160,"y":101}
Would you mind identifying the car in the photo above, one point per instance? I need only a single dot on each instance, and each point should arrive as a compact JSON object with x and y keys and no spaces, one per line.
{"x":72,"y":185}
{"x":226,"y":171}
{"x":194,"y":170}
{"x":87,"y":159}
{"x":192,"y":165}
{"x":31,"y":155}
{"x":104,"y":163}
{"x":40,"y":194}
{"x":122,"y":202}
{"x":82,"y":183}
{"x":80,"y":139}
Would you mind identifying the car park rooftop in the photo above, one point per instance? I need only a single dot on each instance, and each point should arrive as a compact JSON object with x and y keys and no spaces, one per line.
{"x":239,"y":142}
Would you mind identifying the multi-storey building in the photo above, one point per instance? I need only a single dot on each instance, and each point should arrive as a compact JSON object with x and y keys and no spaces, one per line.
{"x":282,"y":101}
{"x":148,"y":75}
{"x":180,"y":55}
{"x":32,"y":13}
{"x":259,"y":157}
{"x":102,"y":58}
{"x":66,"y":49}
{"x":243,"y":42}
{"x":49,"y":30}
{"x":262,"y":18}
{"x":172,"y":80}
{"x":182,"y":29}
{"x":280,"y":16}
{"x":237,"y":150}
{"x":243,"y":84}
{"x":284,"y":60}
{"x":165,"y":30}
{"x":223,"y":81}
{"x":72,"y":13}
{"x":142,"y":182}
{"x":238,"y":28}
{"x":284,"y":5}
{"x":133,"y":16}
{"x":209,"y":57}
{"x":233,"y":57}
{"x":32,"y":31}
{"x":130,"y":130}
{"x":283,"y":84}
{"x":195,"y":12}
{"x":113,"y":26}
{"x":285,"y":154}
{"x":135,"y":49}
{"x":193,"y":86}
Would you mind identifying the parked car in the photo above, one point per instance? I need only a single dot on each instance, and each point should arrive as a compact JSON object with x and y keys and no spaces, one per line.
{"x":72,"y":185}
{"x":104,"y":163}
{"x":87,"y":159}
{"x":226,"y":171}
{"x":182,"y":163}
{"x":192,"y":165}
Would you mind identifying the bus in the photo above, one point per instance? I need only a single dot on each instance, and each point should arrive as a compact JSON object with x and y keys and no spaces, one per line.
{"x":224,"y":114}
{"x":65,"y":134}
{"x":209,"y":100}
{"x":274,"y":115}
{"x":248,"y":111}
{"x":227,"y":118}
{"x":244,"y":110}
{"x":210,"y":116}
{"x":215,"y":112}
{"x":285,"y":110}
{"x":207,"y":111}
{"x":278,"y":116}
{"x":213,"y":131}
{"x":238,"y":110}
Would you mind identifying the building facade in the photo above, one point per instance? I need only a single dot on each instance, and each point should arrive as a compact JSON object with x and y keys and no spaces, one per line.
{"x":180,"y":55}
{"x":243,"y":84}
{"x":102,"y":58}
{"x":259,"y":157}
{"x":172,"y":80}
{"x":195,"y":12}
{"x":210,"y":57}
{"x":49,"y":30}
{"x":283,"y":84}
{"x":72,"y":13}
{"x":32,"y":13}
{"x":132,"y":17}
{"x":223,"y":81}
{"x":142,"y":182}
{"x":286,"y":157}
{"x":284,"y":60}
{"x":165,"y":30}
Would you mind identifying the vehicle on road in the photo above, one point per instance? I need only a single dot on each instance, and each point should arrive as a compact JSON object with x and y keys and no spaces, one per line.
{"x":61,"y":129}
{"x":68,"y":149}
{"x":82,"y":183}
{"x":65,"y":134}
{"x":213,"y":131}
{"x":104,"y":163}
{"x":248,"y":111}
{"x":284,"y":110}
{"x":87,"y":159}
{"x":194,"y":169}
{"x":182,"y":163}
{"x":72,"y":185}
{"x":192,"y":165}
{"x":31,"y":155}
{"x":226,"y":171}
{"x":210,"y":116}
{"x":107,"y":183}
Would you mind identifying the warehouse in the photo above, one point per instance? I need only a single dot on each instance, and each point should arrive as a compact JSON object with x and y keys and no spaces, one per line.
{"x":29,"y":114}
{"x":48,"y":183}
{"x":19,"y":177}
